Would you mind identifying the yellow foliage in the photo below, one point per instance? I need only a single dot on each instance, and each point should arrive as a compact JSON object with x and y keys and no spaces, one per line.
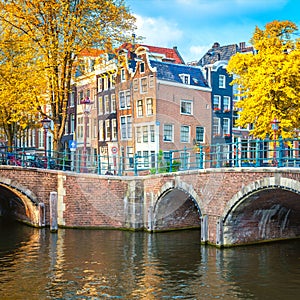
{"x":61,"y":30}
{"x":269,"y":80}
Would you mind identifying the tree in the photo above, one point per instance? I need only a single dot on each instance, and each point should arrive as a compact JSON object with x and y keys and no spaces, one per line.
{"x":21,"y":83}
{"x":61,"y":30}
{"x":269,"y":80}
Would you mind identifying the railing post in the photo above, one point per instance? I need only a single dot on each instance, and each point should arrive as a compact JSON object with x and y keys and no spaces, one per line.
{"x":64,"y":160}
{"x":170,"y":161}
{"x":237,"y":154}
{"x":218,"y":155}
{"x":99,"y":164}
{"x":281,"y":149}
{"x":257,"y":153}
{"x":201,"y":157}
{"x":135,"y":164}
{"x":184,"y":159}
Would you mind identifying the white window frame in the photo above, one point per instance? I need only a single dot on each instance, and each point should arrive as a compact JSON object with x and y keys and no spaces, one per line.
{"x":203,"y":134}
{"x":126,"y":127}
{"x":114,"y":134}
{"x":107,"y":130}
{"x":149,"y":106}
{"x":217,"y":103}
{"x":185,"y":138}
{"x":169,"y":138}
{"x":226,"y":103}
{"x":139,"y":108}
{"x":185,"y":78}
{"x":183,"y":108}
{"x":216,"y":126}
{"x":226,"y":126}
{"x":144,"y":87}
{"x":123,"y":75}
{"x":222,"y":81}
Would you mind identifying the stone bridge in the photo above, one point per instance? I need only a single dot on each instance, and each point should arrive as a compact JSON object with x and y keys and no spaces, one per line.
{"x":230,"y":206}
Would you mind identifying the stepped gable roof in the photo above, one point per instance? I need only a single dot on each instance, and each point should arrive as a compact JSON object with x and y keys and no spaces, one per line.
{"x":172,"y":72}
{"x":217,"y":52}
{"x":170,"y":54}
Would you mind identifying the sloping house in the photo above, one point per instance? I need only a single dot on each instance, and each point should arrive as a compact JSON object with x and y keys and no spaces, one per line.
{"x":162,"y":106}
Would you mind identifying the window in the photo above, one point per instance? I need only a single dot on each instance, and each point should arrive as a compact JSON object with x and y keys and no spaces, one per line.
{"x":101,"y":131}
{"x":122,"y":99}
{"x":142,"y":67}
{"x":72,"y":123}
{"x":126,"y":127}
{"x":112,"y":80}
{"x":151,"y":81}
{"x":72,"y":98}
{"x":100,"y":100}
{"x":138,"y":135}
{"x":140,"y":108}
{"x":221,"y":81}
{"x":185,"y":78}
{"x":145,"y":134}
{"x":130,"y":156}
{"x":226,"y":104}
{"x":99,"y":84}
{"x":152,"y":133}
{"x":80,"y":98}
{"x":185,"y":160}
{"x":226,"y":126}
{"x":168,"y":133}
{"x":123,"y":77}
{"x":127,"y":95}
{"x":185,"y":134}
{"x":105,"y":81}
{"x":113,"y":103}
{"x":146,"y":159}
{"x":216,"y":126}
{"x":186,"y":107}
{"x":114,"y":129}
{"x":235,"y":118}
{"x":217,"y":103}
{"x":144,"y":85}
{"x":106,"y":104}
{"x":135,"y":84}
{"x":199,"y":134}
{"x":107,"y":130}
{"x":149,"y":107}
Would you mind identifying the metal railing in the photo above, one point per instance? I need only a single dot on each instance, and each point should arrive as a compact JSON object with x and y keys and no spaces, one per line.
{"x":248,"y":153}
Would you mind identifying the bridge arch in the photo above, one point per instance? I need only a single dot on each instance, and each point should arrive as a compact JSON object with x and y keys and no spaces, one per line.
{"x":19,"y":203}
{"x":265,"y":210}
{"x":176,"y":207}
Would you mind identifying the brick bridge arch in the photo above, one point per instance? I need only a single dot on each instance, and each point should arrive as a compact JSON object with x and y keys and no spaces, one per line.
{"x":20,"y":203}
{"x":177,"y":205}
{"x":266,"y":209}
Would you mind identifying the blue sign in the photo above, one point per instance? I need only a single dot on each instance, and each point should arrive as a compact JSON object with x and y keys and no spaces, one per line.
{"x":72,"y":145}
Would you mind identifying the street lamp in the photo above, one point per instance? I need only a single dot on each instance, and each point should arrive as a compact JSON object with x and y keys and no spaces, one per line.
{"x":275,"y":127}
{"x":46,"y":125}
{"x":86,"y":111}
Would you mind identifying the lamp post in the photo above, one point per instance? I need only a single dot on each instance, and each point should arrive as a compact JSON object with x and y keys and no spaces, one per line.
{"x":46,"y":125}
{"x":275,"y":126}
{"x":86,"y":111}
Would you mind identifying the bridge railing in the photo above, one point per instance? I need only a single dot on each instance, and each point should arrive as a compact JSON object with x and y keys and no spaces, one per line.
{"x":253,"y":153}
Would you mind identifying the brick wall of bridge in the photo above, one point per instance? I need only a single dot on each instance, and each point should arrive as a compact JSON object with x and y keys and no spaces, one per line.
{"x":87,"y":200}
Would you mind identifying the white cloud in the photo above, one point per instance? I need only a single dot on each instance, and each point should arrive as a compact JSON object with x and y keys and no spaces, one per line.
{"x":158,"y":31}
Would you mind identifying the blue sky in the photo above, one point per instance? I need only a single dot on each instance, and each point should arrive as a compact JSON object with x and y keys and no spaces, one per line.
{"x":194,"y":25}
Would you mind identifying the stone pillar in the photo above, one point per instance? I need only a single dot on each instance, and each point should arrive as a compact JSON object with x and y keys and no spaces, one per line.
{"x":53,"y":211}
{"x":204,"y":229}
{"x":42,"y":217}
{"x":219,"y":237}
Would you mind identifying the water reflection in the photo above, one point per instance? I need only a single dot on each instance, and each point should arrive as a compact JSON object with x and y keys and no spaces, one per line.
{"x":79,"y":264}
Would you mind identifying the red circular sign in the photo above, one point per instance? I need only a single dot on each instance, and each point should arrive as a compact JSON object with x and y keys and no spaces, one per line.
{"x":114,"y":150}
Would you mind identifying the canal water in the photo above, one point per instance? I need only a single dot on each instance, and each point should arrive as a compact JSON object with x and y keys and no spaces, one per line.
{"x":110,"y":264}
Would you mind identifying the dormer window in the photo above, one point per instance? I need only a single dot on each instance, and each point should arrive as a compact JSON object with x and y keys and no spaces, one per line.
{"x":185,"y":78}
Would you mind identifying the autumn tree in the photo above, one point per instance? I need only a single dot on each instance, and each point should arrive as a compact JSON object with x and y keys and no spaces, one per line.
{"x":269,"y":80}
{"x":61,"y":30}
{"x":22,"y":83}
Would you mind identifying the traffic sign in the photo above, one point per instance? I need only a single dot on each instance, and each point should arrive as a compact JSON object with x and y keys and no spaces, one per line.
{"x":72,"y":145}
{"x":114,"y":150}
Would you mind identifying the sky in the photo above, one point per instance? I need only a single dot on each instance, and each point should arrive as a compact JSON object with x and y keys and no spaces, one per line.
{"x":194,"y":25}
